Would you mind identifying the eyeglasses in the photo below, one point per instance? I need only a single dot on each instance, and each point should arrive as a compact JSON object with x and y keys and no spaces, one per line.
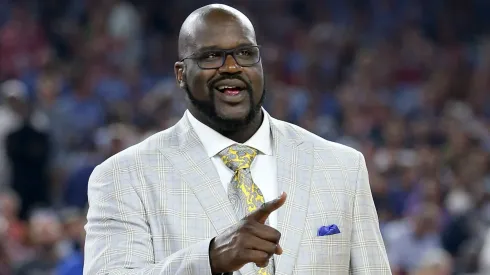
{"x":244,"y":56}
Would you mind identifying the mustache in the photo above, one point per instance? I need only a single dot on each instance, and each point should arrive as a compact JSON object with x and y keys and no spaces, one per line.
{"x":227,"y":77}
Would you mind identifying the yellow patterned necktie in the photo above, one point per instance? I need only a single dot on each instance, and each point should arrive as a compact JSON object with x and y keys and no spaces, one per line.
{"x":243,"y":193}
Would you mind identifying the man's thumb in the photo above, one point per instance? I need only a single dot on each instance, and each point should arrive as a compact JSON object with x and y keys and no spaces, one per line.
{"x":261,"y":214}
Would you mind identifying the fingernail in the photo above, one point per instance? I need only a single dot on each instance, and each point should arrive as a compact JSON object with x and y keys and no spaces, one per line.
{"x":282,"y":193}
{"x":278,"y":249}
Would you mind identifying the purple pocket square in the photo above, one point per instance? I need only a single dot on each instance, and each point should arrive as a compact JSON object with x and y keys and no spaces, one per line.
{"x":328,"y":230}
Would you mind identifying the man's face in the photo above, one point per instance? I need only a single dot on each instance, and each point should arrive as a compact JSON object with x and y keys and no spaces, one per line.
{"x":229,"y":109}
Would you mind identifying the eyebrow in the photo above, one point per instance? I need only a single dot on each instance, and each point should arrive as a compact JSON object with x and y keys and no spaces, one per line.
{"x":216,"y":48}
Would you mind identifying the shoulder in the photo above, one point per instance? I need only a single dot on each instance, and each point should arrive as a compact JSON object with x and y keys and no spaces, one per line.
{"x":320,"y":145}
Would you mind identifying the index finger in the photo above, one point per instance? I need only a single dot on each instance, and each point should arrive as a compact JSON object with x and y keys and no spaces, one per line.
{"x":260,"y":215}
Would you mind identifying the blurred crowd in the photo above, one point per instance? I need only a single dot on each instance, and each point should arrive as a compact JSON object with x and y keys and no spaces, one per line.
{"x":406,"y":82}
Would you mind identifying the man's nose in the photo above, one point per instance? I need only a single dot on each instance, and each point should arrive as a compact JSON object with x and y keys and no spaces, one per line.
{"x":230,"y":66}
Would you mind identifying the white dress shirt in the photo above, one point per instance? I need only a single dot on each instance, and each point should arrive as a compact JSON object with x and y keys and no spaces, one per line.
{"x":263,"y":168}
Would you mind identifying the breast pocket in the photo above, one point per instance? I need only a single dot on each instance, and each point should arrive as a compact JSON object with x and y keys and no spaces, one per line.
{"x":330,"y":245}
{"x":328,"y":250}
{"x":327,"y":254}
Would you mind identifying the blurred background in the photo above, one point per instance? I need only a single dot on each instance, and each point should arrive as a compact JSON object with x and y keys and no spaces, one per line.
{"x":406,"y":82}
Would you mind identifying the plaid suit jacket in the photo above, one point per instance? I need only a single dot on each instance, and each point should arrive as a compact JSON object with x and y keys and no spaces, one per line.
{"x":154,"y":208}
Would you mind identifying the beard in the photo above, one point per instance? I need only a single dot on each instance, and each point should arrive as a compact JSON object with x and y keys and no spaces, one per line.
{"x":208,"y":108}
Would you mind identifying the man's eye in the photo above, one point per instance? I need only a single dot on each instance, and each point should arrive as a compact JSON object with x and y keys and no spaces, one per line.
{"x":210,"y":55}
{"x":244,"y":53}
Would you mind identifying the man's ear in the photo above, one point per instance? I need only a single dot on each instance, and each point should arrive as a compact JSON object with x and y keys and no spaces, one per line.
{"x":179,"y":70}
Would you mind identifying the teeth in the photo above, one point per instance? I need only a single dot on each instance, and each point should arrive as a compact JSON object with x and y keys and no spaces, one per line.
{"x":226,"y":87}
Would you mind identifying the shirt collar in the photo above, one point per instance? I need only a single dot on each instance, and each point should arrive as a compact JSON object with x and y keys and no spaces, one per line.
{"x":214,"y":142}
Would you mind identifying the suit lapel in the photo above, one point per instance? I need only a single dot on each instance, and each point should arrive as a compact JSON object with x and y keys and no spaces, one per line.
{"x":197,"y":170}
{"x":294,"y":168}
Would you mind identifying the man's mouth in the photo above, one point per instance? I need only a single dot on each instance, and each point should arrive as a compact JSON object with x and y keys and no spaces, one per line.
{"x":229,"y":90}
{"x":230,"y":86}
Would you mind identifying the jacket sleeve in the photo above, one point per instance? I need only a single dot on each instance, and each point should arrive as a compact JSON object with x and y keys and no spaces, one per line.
{"x":118,"y":238}
{"x":368,"y":253}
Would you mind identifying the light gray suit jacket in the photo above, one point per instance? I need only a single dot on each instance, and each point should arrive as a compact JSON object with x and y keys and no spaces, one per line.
{"x":154,"y":208}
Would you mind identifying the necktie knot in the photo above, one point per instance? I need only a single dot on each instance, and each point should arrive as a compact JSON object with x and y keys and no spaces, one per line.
{"x":238,"y":157}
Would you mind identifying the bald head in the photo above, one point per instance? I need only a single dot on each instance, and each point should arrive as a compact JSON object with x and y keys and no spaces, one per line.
{"x":203,"y":20}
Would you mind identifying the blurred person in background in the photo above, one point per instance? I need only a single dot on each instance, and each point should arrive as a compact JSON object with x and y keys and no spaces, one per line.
{"x":14,"y":96}
{"x":45,"y":234}
{"x":420,"y":236}
{"x":124,"y":26}
{"x":16,"y":116}
{"x":23,"y":46}
{"x":72,"y":263}
{"x":74,"y":220}
{"x":82,"y":111}
{"x":5,"y":260}
{"x":15,"y":235}
{"x":75,"y":182}
{"x":28,"y":149}
{"x":10,"y":204}
{"x":434,"y":262}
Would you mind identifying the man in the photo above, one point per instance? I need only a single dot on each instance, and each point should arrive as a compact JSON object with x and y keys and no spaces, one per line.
{"x":190,"y":199}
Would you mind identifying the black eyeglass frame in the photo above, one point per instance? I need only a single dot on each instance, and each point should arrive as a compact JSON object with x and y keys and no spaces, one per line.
{"x":225,"y":55}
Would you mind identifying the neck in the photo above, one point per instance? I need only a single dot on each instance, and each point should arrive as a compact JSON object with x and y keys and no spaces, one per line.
{"x":245,"y":133}
{"x":239,"y":135}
